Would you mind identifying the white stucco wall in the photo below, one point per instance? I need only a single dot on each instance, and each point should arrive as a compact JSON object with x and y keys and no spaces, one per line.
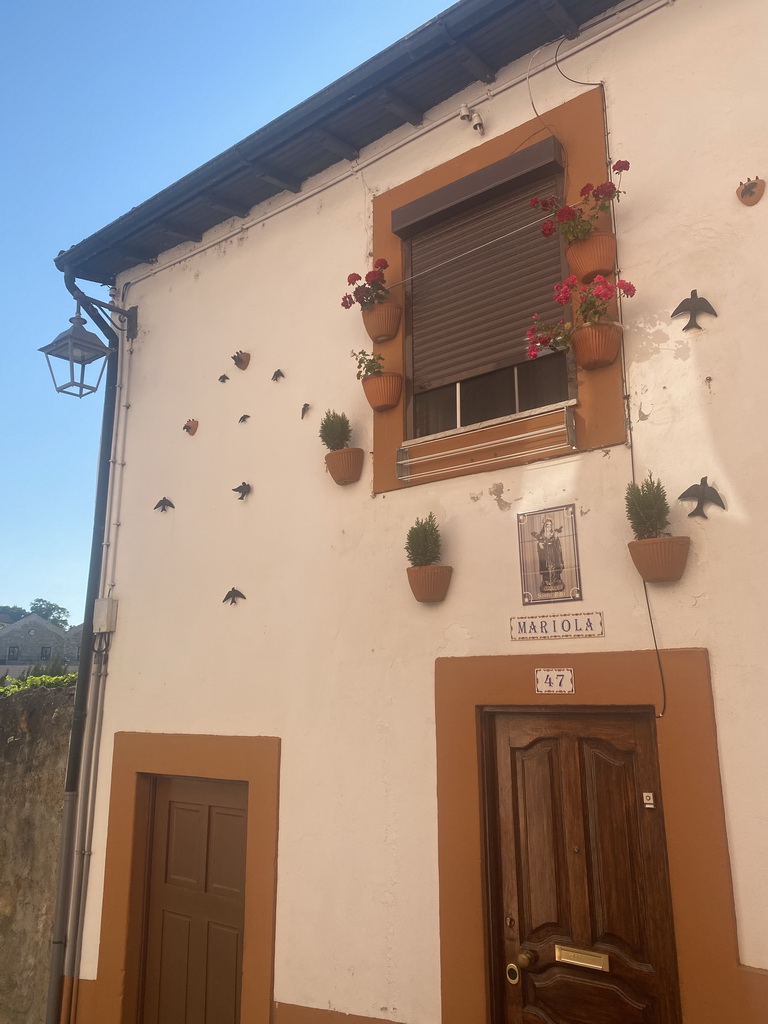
{"x":329,"y":651}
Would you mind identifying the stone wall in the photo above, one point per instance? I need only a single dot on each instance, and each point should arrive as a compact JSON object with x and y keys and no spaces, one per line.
{"x":34,"y":739}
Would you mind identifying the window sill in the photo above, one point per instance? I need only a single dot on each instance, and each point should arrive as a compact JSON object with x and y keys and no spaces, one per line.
{"x":524,"y":437}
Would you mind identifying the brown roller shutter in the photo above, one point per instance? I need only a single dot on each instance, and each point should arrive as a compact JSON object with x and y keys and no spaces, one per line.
{"x":477,"y":277}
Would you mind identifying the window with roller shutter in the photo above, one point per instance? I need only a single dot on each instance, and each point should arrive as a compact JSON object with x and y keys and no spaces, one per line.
{"x":477,"y":269}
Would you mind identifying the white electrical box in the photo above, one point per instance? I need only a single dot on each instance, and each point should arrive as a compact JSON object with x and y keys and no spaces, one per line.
{"x":104,"y":615}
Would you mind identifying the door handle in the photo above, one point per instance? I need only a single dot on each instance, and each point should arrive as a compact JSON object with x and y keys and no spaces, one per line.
{"x":524,"y":959}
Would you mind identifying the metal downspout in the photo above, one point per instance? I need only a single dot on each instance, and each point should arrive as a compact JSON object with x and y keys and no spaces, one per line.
{"x":70,"y":865}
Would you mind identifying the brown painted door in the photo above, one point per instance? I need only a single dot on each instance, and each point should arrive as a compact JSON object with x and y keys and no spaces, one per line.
{"x":582,"y":872}
{"x":193,"y":960}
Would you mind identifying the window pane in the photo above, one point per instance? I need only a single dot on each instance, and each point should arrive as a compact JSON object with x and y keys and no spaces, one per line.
{"x":434,"y":411}
{"x":542,"y":381}
{"x":489,"y":396}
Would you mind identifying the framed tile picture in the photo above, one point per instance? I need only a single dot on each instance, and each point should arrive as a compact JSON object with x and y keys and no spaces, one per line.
{"x":549,"y":555}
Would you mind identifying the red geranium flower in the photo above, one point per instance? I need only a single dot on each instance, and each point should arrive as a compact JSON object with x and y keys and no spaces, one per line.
{"x":368,"y":290}
{"x":620,"y":165}
{"x":548,"y":228}
{"x":565,"y":213}
{"x":587,"y":189}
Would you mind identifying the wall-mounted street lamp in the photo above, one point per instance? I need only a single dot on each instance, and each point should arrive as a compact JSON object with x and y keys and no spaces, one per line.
{"x":82,"y":353}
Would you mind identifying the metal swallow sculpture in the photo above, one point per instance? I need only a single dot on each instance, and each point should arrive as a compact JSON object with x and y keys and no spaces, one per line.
{"x":164,"y":504}
{"x":304,"y":409}
{"x":223,"y":378}
{"x":277,"y":375}
{"x":244,"y":418}
{"x":693,"y":306}
{"x":233,"y":596}
{"x":243,"y":490}
{"x":703,"y":494}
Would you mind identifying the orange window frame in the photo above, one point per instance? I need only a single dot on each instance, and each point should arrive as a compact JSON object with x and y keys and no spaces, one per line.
{"x":598,"y":417}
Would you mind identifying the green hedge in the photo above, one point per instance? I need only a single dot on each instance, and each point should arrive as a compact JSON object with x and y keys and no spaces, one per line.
{"x":9,"y":686}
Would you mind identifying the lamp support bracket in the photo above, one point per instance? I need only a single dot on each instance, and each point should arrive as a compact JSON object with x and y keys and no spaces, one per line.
{"x":92,"y":307}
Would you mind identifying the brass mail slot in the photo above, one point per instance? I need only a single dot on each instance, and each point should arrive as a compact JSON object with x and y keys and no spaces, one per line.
{"x":582,"y":958}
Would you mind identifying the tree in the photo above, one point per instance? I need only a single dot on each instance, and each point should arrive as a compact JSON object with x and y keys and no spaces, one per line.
{"x":53,"y":612}
{"x":13,"y":611}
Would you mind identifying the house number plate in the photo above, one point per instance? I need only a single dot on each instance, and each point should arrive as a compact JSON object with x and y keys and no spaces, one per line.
{"x":554,"y":680}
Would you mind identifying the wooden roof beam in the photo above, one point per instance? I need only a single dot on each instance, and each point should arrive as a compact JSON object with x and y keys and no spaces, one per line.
{"x":560,"y":18}
{"x":468,"y":59}
{"x":225,"y":205}
{"x":399,"y":107}
{"x":269,"y":173}
{"x":176,"y":230}
{"x":134,"y":253}
{"x":335,"y":145}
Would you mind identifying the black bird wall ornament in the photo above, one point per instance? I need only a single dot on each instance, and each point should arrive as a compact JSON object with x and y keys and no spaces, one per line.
{"x":703,"y":494}
{"x":277,"y":375}
{"x":693,"y":306}
{"x":243,"y":490}
{"x":164,"y":504}
{"x":241,"y":359}
{"x":223,"y":378}
{"x":244,"y":418}
{"x":191,"y":427}
{"x":304,"y":409}
{"x":233,"y":596}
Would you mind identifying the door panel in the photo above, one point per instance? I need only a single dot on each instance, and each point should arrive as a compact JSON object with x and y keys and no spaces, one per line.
{"x":582,"y":865}
{"x":193,"y":954}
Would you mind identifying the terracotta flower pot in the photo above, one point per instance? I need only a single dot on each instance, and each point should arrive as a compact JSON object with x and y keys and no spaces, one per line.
{"x":382,"y":320}
{"x":382,"y":390}
{"x":591,"y":256}
{"x":596,"y":345}
{"x":660,"y":559}
{"x":345,"y":465}
{"x":429,"y":582}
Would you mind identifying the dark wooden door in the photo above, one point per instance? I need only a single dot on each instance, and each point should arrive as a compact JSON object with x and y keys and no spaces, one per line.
{"x":193,"y":953}
{"x":582,"y":914}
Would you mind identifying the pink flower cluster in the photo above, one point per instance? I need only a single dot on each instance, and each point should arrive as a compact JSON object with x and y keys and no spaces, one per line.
{"x":590,"y":302}
{"x":372,"y":290}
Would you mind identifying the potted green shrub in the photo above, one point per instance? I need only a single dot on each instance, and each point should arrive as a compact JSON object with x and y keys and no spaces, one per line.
{"x":382,"y":389}
{"x":658,"y":557}
{"x":345,"y":464}
{"x":428,"y":580}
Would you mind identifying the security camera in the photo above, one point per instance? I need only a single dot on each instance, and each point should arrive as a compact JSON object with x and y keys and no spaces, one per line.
{"x":477,"y":123}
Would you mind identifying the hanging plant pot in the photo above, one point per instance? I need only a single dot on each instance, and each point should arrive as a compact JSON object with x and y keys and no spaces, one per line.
{"x":591,"y":256}
{"x":382,"y":390}
{"x":596,"y":345}
{"x":660,"y":559}
{"x":429,"y":583}
{"x":345,"y":465}
{"x":382,"y":320}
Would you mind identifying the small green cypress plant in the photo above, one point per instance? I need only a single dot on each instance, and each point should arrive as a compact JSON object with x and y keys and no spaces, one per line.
{"x":647,"y":508}
{"x":422,"y":544}
{"x":335,"y":430}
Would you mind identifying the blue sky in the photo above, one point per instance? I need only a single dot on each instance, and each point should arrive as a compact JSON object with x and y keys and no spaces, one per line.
{"x":103,"y":106}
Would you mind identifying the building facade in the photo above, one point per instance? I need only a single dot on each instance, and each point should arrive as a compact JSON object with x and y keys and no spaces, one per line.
{"x":540,"y":798}
{"x":33,"y":640}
